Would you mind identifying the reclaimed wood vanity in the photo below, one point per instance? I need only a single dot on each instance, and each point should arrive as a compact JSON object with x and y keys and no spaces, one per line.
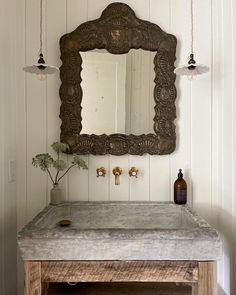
{"x":120,"y":242}
{"x":200,"y":275}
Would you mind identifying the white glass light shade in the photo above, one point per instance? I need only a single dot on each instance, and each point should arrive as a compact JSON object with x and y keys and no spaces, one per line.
{"x":39,"y":69}
{"x":191,"y":70}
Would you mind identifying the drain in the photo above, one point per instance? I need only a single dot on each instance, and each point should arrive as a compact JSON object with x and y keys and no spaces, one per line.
{"x":64,"y":223}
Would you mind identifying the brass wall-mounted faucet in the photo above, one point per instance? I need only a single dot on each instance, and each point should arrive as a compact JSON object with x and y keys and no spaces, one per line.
{"x":101,"y":172}
{"x":133,"y":172}
{"x":117,"y":171}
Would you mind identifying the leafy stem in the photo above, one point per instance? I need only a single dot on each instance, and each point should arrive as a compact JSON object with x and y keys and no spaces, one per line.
{"x":66,"y":172}
{"x":50,"y":175}
{"x":56,"y":180}
{"x":46,"y":161}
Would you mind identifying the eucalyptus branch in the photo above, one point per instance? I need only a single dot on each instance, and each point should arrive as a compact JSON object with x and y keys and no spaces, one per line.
{"x":66,"y":171}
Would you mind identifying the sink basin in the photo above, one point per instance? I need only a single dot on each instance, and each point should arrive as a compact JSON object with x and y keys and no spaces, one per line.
{"x":117,"y":216}
{"x":119,"y":231}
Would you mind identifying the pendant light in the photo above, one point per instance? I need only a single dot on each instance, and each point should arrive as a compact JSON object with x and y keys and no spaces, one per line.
{"x":41,"y":69}
{"x":191,"y":69}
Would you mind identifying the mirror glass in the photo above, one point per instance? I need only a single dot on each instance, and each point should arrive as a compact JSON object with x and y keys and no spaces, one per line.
{"x":117,"y":92}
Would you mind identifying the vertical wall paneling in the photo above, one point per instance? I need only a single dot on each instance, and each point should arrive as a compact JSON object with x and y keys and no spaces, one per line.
{"x":2,"y":123}
{"x":141,"y":8}
{"x":227,"y":143}
{"x":217,"y":88}
{"x":78,"y":182}
{"x":201,"y":104}
{"x":233,"y":11}
{"x":21,"y":116}
{"x":216,"y":101}
{"x":21,"y":151}
{"x":160,"y":13}
{"x":159,"y":182}
{"x":181,"y":158}
{"x":8,"y":220}
{"x":222,"y":268}
{"x":56,"y":26}
{"x":36,"y":113}
{"x":76,"y":13}
{"x":139,"y":187}
{"x":99,"y":188}
{"x":95,"y":11}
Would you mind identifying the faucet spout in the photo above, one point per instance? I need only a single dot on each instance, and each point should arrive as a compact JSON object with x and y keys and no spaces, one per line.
{"x":117,"y":171}
{"x":117,"y":179}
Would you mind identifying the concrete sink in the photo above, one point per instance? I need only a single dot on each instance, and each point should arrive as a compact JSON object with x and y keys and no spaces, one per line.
{"x":119,"y":231}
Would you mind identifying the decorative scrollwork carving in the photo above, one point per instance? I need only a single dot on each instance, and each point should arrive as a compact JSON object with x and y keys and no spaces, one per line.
{"x":118,"y":30}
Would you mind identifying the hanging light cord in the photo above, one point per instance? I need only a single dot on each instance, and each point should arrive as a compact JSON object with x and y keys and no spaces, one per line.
{"x":41,"y":28}
{"x":191,"y":26}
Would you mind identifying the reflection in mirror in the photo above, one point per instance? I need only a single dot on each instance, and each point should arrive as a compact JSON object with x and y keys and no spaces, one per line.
{"x":117,"y":92}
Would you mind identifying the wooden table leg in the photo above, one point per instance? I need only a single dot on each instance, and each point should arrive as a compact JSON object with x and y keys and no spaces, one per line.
{"x":194,"y":289}
{"x":207,"y":279}
{"x":33,"y":285}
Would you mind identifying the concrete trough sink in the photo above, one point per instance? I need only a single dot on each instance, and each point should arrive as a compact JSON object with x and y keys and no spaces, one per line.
{"x":119,"y":231}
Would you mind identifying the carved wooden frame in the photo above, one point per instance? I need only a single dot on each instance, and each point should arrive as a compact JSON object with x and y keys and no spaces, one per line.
{"x":118,"y":30}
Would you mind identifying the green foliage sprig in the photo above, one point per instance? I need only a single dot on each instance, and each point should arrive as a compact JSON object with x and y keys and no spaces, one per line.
{"x":46,"y":161}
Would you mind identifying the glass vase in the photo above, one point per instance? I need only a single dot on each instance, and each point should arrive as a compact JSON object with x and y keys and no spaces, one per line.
{"x":55,"y":195}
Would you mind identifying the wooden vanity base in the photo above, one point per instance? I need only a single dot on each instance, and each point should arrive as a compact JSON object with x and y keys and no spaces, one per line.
{"x":200,"y":275}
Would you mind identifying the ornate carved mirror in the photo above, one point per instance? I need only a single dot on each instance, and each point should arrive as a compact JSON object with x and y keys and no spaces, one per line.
{"x":106,"y":64}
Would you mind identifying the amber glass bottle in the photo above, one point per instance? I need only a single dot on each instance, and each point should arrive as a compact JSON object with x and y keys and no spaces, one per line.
{"x":180,"y":189}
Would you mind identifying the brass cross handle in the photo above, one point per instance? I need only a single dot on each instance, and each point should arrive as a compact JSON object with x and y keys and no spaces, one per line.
{"x":101,"y":172}
{"x":133,"y":172}
{"x":117,"y":172}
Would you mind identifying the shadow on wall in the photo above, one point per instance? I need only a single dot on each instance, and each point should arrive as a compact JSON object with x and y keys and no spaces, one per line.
{"x":223,"y":222}
{"x":220,"y":290}
{"x":177,"y":101}
{"x":226,"y":267}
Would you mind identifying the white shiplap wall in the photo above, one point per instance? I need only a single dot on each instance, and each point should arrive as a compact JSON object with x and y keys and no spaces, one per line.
{"x":8,"y":222}
{"x":205,"y":116}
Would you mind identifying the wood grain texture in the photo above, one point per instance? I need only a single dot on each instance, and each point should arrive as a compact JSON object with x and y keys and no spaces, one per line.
{"x":33,"y":278}
{"x":194,"y":289}
{"x":207,"y":278}
{"x":120,"y":271}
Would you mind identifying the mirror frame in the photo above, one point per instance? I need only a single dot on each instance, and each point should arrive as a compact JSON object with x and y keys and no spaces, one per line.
{"x":118,"y":30}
